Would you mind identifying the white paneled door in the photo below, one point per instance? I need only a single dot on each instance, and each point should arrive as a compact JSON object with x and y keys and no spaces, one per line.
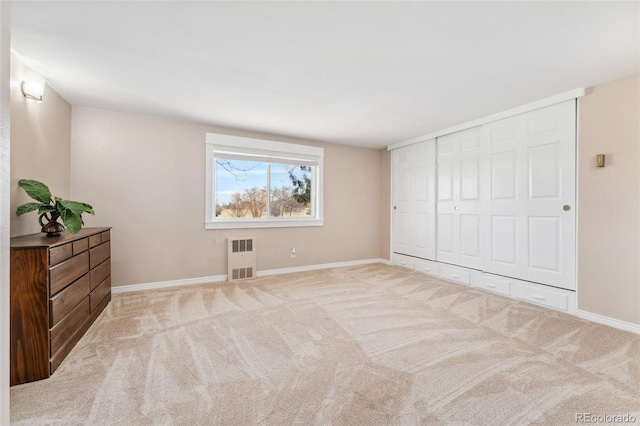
{"x":413,"y":214}
{"x":530,"y":215}
{"x":460,"y":198}
{"x":505,"y":201}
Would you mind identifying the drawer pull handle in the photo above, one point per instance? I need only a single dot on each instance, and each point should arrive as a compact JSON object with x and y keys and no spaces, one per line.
{"x":537,"y":296}
{"x":455,"y":276}
{"x":491,"y":285}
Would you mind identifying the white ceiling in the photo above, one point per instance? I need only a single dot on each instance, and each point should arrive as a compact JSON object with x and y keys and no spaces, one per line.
{"x":359,"y":73}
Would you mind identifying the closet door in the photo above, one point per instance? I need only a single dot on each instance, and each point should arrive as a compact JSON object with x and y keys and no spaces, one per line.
{"x":531,"y":178}
{"x":460,"y":198}
{"x":413,"y":187}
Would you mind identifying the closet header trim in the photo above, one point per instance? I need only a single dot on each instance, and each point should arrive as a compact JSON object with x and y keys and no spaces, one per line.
{"x":572,"y":94}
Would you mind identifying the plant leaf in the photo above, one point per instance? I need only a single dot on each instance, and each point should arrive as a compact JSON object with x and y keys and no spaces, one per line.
{"x":71,"y":213}
{"x":71,"y":221}
{"x":27,"y":207}
{"x":76,"y":207}
{"x":88,"y":208}
{"x":36,"y":190}
{"x":44,"y":208}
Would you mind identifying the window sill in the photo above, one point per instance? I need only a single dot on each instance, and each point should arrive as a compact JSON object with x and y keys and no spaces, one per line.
{"x":266,"y":223}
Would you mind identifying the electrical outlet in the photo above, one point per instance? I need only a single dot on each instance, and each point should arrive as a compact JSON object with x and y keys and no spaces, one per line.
{"x":293,"y":252}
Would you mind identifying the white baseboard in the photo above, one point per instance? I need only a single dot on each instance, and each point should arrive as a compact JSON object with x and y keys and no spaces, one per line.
{"x":611,"y":322}
{"x":220,"y":278}
{"x":165,"y":284}
{"x":268,"y":272}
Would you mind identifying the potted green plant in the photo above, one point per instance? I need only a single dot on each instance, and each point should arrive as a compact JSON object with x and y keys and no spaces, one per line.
{"x":52,"y":209}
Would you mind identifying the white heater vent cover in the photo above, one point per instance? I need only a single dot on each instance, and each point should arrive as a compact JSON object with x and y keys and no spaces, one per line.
{"x":241,"y":257}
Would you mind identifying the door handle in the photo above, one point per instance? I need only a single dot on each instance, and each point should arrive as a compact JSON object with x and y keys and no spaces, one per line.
{"x":566,"y":207}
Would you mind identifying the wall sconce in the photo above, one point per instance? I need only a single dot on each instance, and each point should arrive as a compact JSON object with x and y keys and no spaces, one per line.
{"x":33,"y":86}
{"x":600,"y":160}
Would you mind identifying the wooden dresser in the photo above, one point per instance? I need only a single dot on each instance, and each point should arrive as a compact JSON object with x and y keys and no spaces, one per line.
{"x":59,"y":286}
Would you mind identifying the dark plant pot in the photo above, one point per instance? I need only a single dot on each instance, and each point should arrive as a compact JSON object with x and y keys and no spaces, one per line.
{"x":52,"y":228}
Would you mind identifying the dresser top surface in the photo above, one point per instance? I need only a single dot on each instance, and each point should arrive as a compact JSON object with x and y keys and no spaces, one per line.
{"x":41,"y":240}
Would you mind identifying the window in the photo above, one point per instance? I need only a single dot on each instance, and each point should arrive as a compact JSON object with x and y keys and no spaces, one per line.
{"x":254,"y":183}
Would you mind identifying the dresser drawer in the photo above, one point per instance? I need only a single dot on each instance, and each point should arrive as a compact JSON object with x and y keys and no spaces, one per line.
{"x":60,"y":253}
{"x":541,"y":296}
{"x":67,"y":272}
{"x":105,"y":236}
{"x":62,"y":303}
{"x":94,"y":240}
{"x":103,"y":304}
{"x":427,"y":267}
{"x":99,"y":293}
{"x":492,"y":283}
{"x":80,"y":246}
{"x":458,"y":275}
{"x":402,"y":260}
{"x":66,"y":328}
{"x":99,"y":273}
{"x":99,"y":254}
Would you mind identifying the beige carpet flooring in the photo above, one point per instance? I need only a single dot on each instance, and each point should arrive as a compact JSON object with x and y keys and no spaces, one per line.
{"x":367,"y":345}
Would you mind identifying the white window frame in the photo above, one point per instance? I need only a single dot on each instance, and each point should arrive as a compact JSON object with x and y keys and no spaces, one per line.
{"x":218,"y":143}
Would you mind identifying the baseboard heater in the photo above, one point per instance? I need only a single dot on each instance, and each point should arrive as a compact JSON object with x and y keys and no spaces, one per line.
{"x":241,"y":255}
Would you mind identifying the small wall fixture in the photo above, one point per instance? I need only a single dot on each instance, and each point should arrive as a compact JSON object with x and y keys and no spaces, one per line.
{"x":600,"y":160}
{"x":33,"y":86}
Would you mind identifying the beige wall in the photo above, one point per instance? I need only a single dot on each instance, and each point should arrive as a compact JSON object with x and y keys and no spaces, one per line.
{"x":145,"y":177}
{"x":40,"y":146}
{"x":609,"y":201}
